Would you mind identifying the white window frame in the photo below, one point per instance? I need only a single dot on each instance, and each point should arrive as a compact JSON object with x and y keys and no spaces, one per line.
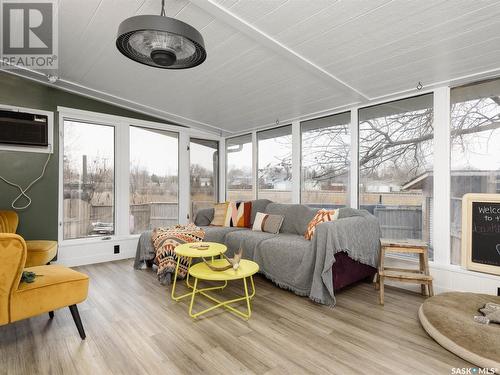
{"x":224,"y":179}
{"x":78,"y":251}
{"x":296,"y":150}
{"x":441,"y":165}
{"x":349,"y":202}
{"x":221,"y":175}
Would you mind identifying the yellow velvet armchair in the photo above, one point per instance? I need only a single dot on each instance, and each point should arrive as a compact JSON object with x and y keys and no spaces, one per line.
{"x":54,"y":286}
{"x":40,"y":252}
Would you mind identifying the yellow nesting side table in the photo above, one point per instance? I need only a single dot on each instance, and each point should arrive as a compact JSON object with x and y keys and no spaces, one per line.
{"x":192,"y":250}
{"x":201,"y":271}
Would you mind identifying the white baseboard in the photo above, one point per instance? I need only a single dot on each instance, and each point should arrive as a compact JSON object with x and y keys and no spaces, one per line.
{"x":448,"y":278}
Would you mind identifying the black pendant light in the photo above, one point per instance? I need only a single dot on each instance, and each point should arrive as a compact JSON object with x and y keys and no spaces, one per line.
{"x":161,"y":41}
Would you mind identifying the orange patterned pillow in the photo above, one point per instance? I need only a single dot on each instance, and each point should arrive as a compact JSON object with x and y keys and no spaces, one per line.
{"x":239,"y":214}
{"x":321,"y":216}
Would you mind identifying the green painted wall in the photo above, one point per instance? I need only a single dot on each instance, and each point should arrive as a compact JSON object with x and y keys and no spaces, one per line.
{"x":39,"y":220}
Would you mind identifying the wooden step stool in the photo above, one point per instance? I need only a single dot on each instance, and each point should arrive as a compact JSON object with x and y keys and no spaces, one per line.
{"x":420,"y":276}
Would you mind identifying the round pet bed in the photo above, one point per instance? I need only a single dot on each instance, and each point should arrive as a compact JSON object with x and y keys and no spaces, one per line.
{"x":449,"y":319}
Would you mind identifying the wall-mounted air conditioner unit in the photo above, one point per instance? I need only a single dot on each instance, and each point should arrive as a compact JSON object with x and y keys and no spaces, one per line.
{"x":26,"y":129}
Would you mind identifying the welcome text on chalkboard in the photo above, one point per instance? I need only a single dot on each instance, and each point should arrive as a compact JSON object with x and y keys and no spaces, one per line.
{"x":486,"y":233}
{"x":481,"y":232}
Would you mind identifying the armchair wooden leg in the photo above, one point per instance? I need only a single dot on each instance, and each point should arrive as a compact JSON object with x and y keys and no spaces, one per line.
{"x":78,"y":321}
{"x":51,"y":314}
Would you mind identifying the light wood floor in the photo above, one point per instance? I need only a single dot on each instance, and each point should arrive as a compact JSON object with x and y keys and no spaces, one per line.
{"x":133,"y":327}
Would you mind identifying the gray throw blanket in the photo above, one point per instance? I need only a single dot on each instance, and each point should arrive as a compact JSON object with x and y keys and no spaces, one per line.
{"x":359,"y":236}
{"x":145,"y":251}
{"x":309,"y":273}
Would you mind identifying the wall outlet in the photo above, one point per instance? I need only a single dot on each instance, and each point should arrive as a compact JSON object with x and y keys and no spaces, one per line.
{"x":117,"y":249}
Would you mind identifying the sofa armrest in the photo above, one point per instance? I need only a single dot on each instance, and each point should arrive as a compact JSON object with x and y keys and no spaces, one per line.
{"x":40,"y":252}
{"x":359,"y":236}
{"x":204,"y":217}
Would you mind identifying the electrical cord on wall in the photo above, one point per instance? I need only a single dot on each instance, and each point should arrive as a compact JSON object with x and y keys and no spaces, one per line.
{"x":24,"y":191}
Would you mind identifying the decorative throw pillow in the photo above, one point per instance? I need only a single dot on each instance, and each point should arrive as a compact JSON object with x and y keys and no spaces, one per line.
{"x":220,"y":214}
{"x":267,"y":223}
{"x":321,"y":216}
{"x":239,"y":214}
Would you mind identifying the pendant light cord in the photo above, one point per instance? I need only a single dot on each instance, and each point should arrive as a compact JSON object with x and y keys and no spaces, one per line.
{"x":163,"y":13}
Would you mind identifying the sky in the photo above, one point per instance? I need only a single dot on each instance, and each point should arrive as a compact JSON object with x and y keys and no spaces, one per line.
{"x":156,"y":152}
{"x":270,"y":150}
{"x":483,"y":152}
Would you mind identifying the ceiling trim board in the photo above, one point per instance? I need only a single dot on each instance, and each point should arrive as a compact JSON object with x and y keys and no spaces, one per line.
{"x":117,"y":101}
{"x":264,"y":39}
{"x":309,"y":116}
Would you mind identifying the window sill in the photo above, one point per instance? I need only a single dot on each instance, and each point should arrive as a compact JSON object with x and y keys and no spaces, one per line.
{"x":96,"y":240}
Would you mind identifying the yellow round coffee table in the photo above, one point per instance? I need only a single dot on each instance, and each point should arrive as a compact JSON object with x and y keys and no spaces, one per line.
{"x":201,"y":271}
{"x":196,"y":250}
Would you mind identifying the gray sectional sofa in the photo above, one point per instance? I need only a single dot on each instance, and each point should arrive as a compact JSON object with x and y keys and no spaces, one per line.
{"x":340,"y":253}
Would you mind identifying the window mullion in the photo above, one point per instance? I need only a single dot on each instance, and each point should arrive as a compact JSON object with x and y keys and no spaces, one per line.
{"x":184,"y":184}
{"x":441,"y":220}
{"x":222,"y":170}
{"x":354,"y":161}
{"x":296,"y":163}
{"x":122,"y":171}
{"x":255,"y":168}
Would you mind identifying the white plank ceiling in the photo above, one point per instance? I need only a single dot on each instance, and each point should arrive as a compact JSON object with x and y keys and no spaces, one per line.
{"x":281,"y":59}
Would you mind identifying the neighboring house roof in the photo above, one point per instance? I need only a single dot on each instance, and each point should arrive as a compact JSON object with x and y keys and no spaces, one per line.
{"x":419,"y":181}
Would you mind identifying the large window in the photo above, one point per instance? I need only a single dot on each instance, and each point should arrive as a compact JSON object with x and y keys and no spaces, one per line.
{"x":88,"y":180}
{"x":204,"y":164}
{"x":475,"y":149}
{"x":325,"y":158}
{"x":153,"y":179}
{"x":239,"y":179}
{"x":396,"y":166}
{"x":275,"y":164}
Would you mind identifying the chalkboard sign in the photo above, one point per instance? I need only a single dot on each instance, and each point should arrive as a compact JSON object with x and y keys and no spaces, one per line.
{"x":481,"y":232}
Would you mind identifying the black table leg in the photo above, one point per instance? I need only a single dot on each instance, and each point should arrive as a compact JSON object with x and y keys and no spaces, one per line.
{"x":78,"y":321}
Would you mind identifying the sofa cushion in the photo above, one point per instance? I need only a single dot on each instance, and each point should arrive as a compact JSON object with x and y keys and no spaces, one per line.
{"x":247,"y":239}
{"x":239,"y":214}
{"x":220,"y":214}
{"x":204,"y":217}
{"x":322,"y":216}
{"x":55,"y":287}
{"x":267,"y":223}
{"x":284,"y":251}
{"x":40,"y":252}
{"x":350,"y":212}
{"x":297,"y":216}
{"x":218,"y":234}
{"x":258,"y":205}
